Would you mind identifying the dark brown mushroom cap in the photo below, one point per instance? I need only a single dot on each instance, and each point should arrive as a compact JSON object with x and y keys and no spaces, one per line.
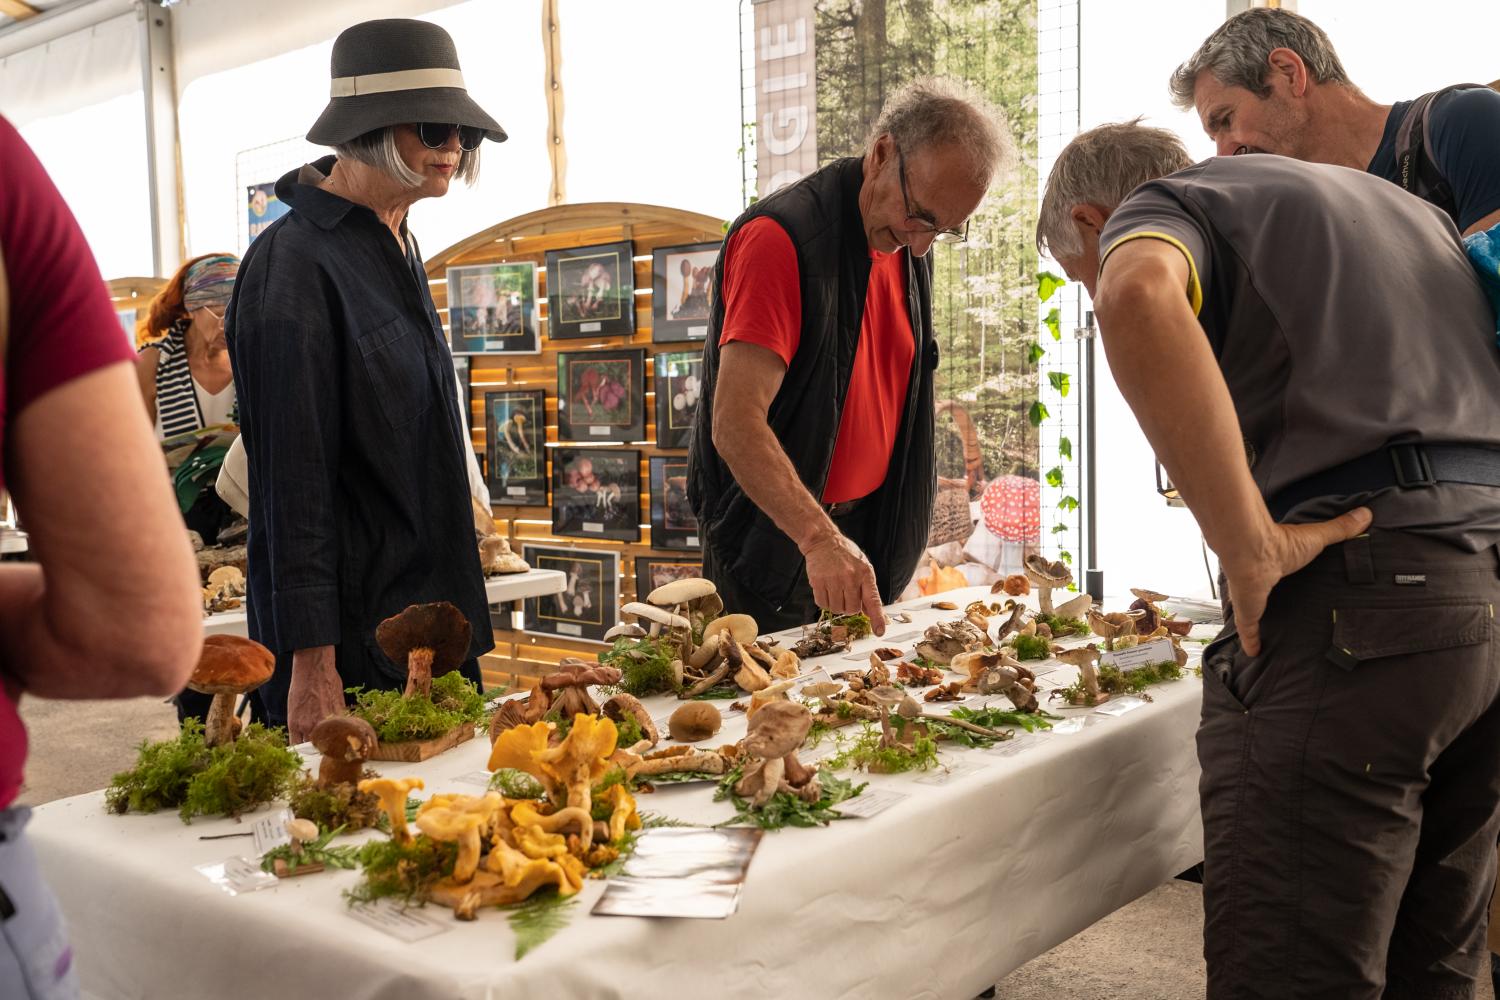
{"x":438,"y":626}
{"x":231,"y":664}
{"x":344,"y":737}
{"x":574,"y":672}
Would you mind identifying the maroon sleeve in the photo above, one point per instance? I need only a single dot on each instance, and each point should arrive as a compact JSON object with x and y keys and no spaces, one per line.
{"x":62,"y":323}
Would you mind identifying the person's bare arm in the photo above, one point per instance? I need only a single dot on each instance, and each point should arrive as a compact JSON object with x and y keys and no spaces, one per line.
{"x":111,"y":607}
{"x":145,"y":374}
{"x":749,"y":377}
{"x":1144,"y":313}
{"x":1488,"y":222}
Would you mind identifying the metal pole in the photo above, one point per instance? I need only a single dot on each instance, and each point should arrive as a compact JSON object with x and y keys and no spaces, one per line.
{"x":1086,"y":334}
{"x":163,"y":171}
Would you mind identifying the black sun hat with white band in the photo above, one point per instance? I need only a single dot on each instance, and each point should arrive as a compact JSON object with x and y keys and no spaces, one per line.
{"x":396,"y":72}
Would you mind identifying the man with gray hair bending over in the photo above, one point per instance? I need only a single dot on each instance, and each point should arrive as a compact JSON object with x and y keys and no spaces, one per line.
{"x":1312,"y":358}
{"x":812,"y":470}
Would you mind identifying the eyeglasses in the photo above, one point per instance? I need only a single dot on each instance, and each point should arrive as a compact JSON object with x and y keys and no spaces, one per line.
{"x":925,"y":225}
{"x":434,"y":135}
{"x":217,"y":314}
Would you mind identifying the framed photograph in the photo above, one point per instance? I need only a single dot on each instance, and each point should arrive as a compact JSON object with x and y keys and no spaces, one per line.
{"x":596,"y":493}
{"x":682,"y":279}
{"x":586,"y":608}
{"x":679,"y":378}
{"x":492,"y":309}
{"x":127,"y":324}
{"x":673,"y":525}
{"x":515,"y":446}
{"x":591,"y":292}
{"x":652,"y":572}
{"x":601,"y":395}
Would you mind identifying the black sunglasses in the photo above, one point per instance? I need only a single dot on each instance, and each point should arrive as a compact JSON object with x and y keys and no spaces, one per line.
{"x":434,"y":135}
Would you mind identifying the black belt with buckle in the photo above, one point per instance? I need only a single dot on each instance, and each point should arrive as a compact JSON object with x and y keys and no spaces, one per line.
{"x":1407,"y":466}
{"x":844,"y":507}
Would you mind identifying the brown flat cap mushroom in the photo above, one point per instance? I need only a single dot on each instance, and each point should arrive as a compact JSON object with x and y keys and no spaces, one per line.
{"x":1085,"y":659}
{"x":568,"y":688}
{"x":694,"y":722}
{"x":1046,"y":576}
{"x":346,"y":742}
{"x":431,"y":639}
{"x":1112,"y":626}
{"x":229,"y":665}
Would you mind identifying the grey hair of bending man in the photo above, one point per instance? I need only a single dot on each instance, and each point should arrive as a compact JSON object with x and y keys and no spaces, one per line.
{"x":1238,"y":53}
{"x":1101,"y":167}
{"x":932,"y":111}
{"x":378,"y":149}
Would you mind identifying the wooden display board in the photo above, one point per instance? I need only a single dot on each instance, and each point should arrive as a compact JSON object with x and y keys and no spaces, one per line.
{"x":528,"y":238}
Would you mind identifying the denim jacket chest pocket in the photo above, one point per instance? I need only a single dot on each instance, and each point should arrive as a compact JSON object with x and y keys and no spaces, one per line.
{"x":395,"y":361}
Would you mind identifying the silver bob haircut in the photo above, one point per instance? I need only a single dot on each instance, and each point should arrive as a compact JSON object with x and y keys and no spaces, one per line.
{"x":378,"y":149}
{"x":931,"y":111}
{"x":1237,"y":53}
{"x":1101,"y":167}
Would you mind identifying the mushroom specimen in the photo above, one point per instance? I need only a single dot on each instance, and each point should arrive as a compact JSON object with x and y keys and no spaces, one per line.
{"x":392,"y":794}
{"x":431,"y":639}
{"x":1112,"y":626}
{"x":622,"y":705}
{"x":567,"y":771}
{"x":1046,"y":577}
{"x":771,"y":744}
{"x":568,"y":687}
{"x":302,"y":831}
{"x":1075,"y":607}
{"x":694,"y":722}
{"x":997,"y":673}
{"x":942,"y":642}
{"x":1016,"y":585}
{"x":229,"y":665}
{"x":655,"y":618}
{"x":624,"y":630}
{"x":345,"y":742}
{"x":1085,"y":658}
{"x":748,"y":674}
{"x":887,"y":698}
{"x":693,"y":598}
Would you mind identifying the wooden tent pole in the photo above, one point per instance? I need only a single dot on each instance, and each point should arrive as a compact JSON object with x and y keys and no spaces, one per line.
{"x":556,"y":151}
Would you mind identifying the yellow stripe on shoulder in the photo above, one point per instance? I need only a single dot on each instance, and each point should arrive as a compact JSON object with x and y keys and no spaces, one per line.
{"x":1194,"y":289}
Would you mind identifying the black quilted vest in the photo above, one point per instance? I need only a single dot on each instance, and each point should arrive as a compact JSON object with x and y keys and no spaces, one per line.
{"x":821,"y":213}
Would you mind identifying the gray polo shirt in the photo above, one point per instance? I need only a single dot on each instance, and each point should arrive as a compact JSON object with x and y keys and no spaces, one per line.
{"x":1344,"y":315}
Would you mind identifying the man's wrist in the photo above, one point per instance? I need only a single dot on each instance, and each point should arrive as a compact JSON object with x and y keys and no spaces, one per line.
{"x":822,"y":532}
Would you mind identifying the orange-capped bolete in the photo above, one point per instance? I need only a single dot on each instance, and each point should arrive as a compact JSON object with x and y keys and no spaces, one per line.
{"x":346,"y":742}
{"x":431,"y":639}
{"x":230,"y":665}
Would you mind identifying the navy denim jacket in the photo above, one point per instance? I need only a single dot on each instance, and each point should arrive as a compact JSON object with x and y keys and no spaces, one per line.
{"x":359,"y":495}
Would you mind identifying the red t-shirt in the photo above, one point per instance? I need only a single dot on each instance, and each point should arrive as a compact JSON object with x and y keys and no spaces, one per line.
{"x":763,"y":305}
{"x":62,"y":326}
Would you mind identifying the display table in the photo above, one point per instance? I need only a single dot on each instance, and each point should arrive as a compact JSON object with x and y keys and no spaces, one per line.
{"x":512,"y":588}
{"x":976,"y":871}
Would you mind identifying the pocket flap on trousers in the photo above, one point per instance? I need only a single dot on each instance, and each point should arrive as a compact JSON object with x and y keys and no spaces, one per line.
{"x":1371,"y":633}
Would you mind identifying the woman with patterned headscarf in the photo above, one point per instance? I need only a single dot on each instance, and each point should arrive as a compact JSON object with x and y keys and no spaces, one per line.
{"x":183,"y":368}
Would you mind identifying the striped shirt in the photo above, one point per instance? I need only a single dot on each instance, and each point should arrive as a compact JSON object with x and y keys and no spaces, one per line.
{"x":178,"y":410}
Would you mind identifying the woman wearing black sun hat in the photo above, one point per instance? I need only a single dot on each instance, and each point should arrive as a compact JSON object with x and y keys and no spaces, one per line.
{"x":359,"y":499}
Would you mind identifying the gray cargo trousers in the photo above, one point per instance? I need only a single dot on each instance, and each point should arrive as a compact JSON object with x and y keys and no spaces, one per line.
{"x":1351,"y":779}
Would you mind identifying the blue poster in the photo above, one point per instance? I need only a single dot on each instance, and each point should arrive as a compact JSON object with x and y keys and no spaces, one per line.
{"x":264,"y":207}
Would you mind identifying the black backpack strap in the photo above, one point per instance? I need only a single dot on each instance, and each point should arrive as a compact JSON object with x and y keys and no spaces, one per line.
{"x":1415,"y":169}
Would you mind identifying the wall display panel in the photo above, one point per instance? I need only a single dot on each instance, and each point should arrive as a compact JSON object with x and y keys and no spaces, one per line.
{"x":682,"y":279}
{"x":601,"y":395}
{"x":591,"y":292}
{"x":596,"y":493}
{"x":515,"y":434}
{"x":673,"y":525}
{"x":492,"y":309}
{"x":679,"y":381}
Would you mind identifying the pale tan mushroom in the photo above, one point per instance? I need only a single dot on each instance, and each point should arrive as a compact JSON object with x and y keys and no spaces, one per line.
{"x":1112,"y":626}
{"x":776,"y":691}
{"x":1046,"y":577}
{"x":748,"y":674}
{"x":624,"y":630}
{"x":704,"y":654}
{"x":742,"y":627}
{"x":1085,"y":658}
{"x":1075,"y":607}
{"x":621,"y":705}
{"x":655,"y":618}
{"x":695,"y":722}
{"x":787,"y":665}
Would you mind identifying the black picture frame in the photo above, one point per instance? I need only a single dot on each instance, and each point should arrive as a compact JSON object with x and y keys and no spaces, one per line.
{"x":679,"y":381}
{"x":673,"y":524}
{"x":591,"y":292}
{"x":601,"y":395}
{"x":654,"y":571}
{"x":588,"y":606}
{"x":596,"y":493}
{"x":682,"y":290}
{"x":515,"y":446}
{"x":492,"y":309}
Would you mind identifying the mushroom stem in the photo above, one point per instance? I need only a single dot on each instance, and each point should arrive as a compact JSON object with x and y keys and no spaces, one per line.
{"x":419,"y":672}
{"x":218,"y":728}
{"x":719,"y":673}
{"x":337,"y":771}
{"x":1044,"y":599}
{"x":961,"y":724}
{"x":797,"y":773}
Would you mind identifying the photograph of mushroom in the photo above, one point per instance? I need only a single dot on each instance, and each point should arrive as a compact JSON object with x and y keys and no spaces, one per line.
{"x":601,"y":395}
{"x":492,"y":309}
{"x":651,"y":572}
{"x":590,"y":292}
{"x":679,"y":378}
{"x":673,"y":525}
{"x":586,"y":608}
{"x":596,"y":493}
{"x":682,"y":280}
{"x":515,"y":438}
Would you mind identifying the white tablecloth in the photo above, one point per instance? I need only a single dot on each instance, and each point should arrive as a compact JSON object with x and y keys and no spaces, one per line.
{"x":500,"y":589}
{"x":941,"y":895}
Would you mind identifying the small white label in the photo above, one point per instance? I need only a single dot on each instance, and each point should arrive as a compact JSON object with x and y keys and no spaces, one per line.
{"x":868,"y":803}
{"x":590,"y":327}
{"x":306,"y":749}
{"x":403,"y":924}
{"x":236,"y":875}
{"x":943,"y":776}
{"x":697,"y":331}
{"x":480,"y":778}
{"x":494,"y":345}
{"x":270,"y":831}
{"x":598,"y":431}
{"x":1155,"y":651}
{"x":693,"y":540}
{"x":564,"y":628}
{"x":515,"y":491}
{"x":1121,"y":705}
{"x":1010,"y":748}
{"x":591,"y":526}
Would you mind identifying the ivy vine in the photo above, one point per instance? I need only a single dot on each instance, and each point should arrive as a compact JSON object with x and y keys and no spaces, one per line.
{"x":1047,"y":285}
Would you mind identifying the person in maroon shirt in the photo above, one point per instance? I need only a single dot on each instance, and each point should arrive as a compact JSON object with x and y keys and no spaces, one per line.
{"x":110,"y":607}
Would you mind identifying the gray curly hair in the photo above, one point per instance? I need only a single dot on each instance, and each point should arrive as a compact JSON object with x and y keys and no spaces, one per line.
{"x":933,"y":111}
{"x":1237,"y":53}
{"x":1101,"y":167}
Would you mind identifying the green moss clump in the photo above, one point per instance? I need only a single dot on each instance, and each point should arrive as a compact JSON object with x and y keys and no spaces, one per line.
{"x":1065,"y":626}
{"x":1032,"y":647}
{"x":784,"y":809}
{"x":1113,"y":682}
{"x":857,"y":624}
{"x":403,"y":871}
{"x":206,"y":781}
{"x":515,"y":784}
{"x":645,"y":665}
{"x":340,"y":806}
{"x":865,"y":753}
{"x":396,"y":719}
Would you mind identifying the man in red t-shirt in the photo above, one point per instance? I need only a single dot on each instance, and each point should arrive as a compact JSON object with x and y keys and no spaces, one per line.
{"x":929,"y":162}
{"x":111,"y":606}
